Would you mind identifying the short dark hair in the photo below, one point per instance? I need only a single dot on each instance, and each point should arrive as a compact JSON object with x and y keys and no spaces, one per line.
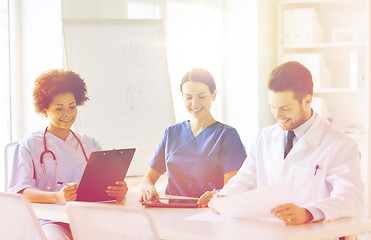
{"x":199,"y":75}
{"x":54,"y":82}
{"x":291,"y":76}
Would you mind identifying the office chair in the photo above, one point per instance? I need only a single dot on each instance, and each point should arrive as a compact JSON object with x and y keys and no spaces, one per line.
{"x":95,"y":221}
{"x":17,"y":218}
{"x":9,"y":154}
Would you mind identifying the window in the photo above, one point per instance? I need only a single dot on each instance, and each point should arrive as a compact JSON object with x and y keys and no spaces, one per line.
{"x":5,"y":136}
{"x":220,"y":36}
{"x":193,"y":39}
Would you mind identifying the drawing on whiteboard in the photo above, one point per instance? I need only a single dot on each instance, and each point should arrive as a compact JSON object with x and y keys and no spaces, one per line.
{"x":134,"y":53}
{"x":133,"y":98}
{"x":124,"y":63}
{"x":133,"y":62}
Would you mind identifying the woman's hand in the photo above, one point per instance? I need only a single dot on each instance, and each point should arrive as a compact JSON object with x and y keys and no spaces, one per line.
{"x":292,"y":214}
{"x":203,"y":201}
{"x":118,"y":191}
{"x":149,"y":194}
{"x":67,"y":193}
{"x":147,"y":186}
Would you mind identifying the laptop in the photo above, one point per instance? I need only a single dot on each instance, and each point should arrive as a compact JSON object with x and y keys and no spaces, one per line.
{"x":103,"y":169}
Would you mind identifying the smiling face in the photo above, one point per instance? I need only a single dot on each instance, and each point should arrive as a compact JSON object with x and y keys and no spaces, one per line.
{"x":288,"y":111}
{"x":197,"y":99}
{"x":61,"y":112}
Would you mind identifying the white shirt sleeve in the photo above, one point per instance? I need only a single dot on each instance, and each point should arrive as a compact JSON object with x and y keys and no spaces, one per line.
{"x":22,"y":170}
{"x":317,"y":214}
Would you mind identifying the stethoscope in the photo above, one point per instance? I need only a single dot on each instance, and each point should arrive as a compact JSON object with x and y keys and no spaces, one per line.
{"x":46,"y":150}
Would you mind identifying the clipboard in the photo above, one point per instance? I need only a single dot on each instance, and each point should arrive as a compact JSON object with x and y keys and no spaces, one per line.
{"x":103,"y":169}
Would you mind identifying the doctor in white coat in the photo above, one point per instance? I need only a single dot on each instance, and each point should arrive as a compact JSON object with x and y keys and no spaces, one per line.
{"x":320,"y":174}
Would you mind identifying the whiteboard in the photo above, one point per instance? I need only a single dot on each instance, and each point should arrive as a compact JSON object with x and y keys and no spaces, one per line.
{"x":123,"y":63}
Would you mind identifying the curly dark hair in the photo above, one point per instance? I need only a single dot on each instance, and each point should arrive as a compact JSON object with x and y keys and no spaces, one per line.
{"x":54,"y":82}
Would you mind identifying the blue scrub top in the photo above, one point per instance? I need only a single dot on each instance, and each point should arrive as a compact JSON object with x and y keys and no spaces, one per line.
{"x":192,"y":162}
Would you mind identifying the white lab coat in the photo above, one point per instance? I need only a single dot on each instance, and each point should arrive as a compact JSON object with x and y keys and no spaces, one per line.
{"x":336,"y":189}
{"x":28,"y":172}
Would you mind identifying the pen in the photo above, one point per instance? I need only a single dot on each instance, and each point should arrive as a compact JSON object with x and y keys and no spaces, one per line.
{"x":61,"y":184}
{"x":315,"y":171}
{"x":214,"y":189}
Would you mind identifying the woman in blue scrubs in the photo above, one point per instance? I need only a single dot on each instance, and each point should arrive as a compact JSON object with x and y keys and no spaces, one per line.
{"x":195,"y":152}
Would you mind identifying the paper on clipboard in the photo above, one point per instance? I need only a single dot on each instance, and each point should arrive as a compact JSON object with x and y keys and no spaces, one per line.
{"x":256,"y":203}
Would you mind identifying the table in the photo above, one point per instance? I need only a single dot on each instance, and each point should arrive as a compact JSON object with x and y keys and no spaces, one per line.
{"x":173,"y":224}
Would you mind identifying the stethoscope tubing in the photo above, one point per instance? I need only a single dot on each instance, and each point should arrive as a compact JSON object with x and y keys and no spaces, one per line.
{"x":46,"y":150}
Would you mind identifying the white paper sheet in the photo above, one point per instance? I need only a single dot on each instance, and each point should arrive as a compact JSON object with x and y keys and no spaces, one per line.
{"x":252,"y":204}
{"x":208,"y":216}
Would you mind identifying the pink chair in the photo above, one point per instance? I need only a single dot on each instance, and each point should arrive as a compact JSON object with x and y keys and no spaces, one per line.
{"x":17,"y":218}
{"x":95,"y":221}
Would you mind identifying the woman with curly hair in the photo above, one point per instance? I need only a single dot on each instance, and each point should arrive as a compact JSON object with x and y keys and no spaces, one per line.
{"x":48,"y":164}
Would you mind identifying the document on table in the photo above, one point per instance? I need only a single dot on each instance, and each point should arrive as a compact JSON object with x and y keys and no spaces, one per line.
{"x":208,"y":216}
{"x":256,"y":203}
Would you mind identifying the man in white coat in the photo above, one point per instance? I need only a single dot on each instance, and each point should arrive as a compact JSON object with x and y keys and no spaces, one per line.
{"x":320,"y":174}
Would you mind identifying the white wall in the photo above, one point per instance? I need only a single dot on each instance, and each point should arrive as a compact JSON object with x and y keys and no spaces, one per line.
{"x":368,"y":126}
{"x":241,"y":68}
{"x":267,"y":55}
{"x":37,"y":47}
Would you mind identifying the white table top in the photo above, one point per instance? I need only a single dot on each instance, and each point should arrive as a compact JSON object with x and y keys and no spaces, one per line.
{"x":174,"y":224}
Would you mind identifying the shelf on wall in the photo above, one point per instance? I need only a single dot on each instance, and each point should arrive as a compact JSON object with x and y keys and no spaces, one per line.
{"x":286,"y":2}
{"x":324,"y":45}
{"x":340,"y":90}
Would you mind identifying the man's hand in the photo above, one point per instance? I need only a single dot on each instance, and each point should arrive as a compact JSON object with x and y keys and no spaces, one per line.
{"x":292,"y":214}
